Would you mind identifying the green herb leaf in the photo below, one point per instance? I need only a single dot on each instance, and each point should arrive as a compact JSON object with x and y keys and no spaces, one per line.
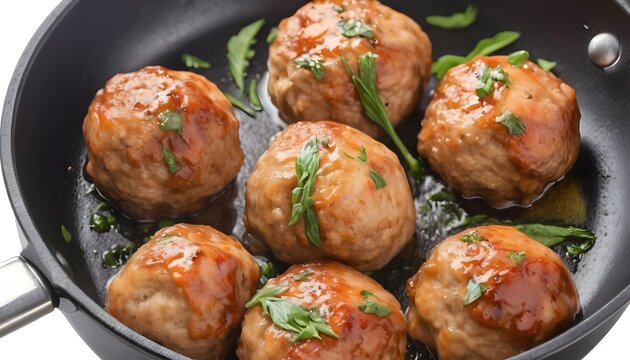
{"x":551,"y":235}
{"x":365,"y":85}
{"x":239,"y":104}
{"x":306,"y":165}
{"x":577,"y":249}
{"x":193,"y":62}
{"x":65,"y":233}
{"x":366,"y":293}
{"x":165,"y":223}
{"x":166,"y":240}
{"x":240,"y":51}
{"x":379,"y":182}
{"x":456,"y":21}
{"x":514,"y":125}
{"x":101,"y":223}
{"x":371,"y":307}
{"x":363,"y":155}
{"x":117,"y":255}
{"x":546,"y":64}
{"x":353,"y":27}
{"x":103,"y":206}
{"x":169,"y":159}
{"x":474,"y":290}
{"x":443,"y":195}
{"x":253,"y":96}
{"x":315,"y":65}
{"x":517,"y":256}
{"x":267,"y":269}
{"x":339,"y":8}
{"x":273,"y":33}
{"x":484,"y":47}
{"x":268,"y":291}
{"x":473,"y":237}
{"x":486,"y":78}
{"x":170,"y":120}
{"x":518,"y":58}
{"x":303,"y":274}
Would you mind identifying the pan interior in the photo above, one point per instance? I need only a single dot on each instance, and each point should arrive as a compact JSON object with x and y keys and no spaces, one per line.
{"x":96,"y":40}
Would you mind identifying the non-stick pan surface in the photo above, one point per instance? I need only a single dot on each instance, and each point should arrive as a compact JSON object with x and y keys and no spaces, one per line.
{"x":83,"y":43}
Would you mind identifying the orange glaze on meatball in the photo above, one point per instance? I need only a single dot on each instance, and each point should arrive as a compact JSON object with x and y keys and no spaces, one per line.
{"x":335,"y":291}
{"x":530,"y":295}
{"x":464,"y":143}
{"x":126,"y":146}
{"x":186,"y":288}
{"x":403,"y":64}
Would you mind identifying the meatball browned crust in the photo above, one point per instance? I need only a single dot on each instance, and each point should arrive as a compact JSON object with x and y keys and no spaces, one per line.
{"x":360,"y":224}
{"x":315,"y":32}
{"x":186,"y":289}
{"x":474,"y":153}
{"x":141,"y":119}
{"x":335,"y":291}
{"x":526,"y":295}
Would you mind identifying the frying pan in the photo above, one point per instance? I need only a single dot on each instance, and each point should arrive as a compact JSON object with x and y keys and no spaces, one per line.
{"x":83,"y":43}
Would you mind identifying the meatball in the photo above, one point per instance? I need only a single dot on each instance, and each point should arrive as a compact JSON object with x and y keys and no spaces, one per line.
{"x":489,"y":293}
{"x":160,"y":142}
{"x":362,"y":222}
{"x":186,"y":289}
{"x":316,"y":32}
{"x":465,"y":143}
{"x":338,"y":293}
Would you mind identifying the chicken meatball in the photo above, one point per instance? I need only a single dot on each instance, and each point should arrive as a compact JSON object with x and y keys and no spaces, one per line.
{"x":186,"y":289}
{"x":365,"y":321}
{"x":160,"y":142}
{"x":489,"y":293}
{"x":360,"y":201}
{"x":506,"y":146}
{"x":324,"y":30}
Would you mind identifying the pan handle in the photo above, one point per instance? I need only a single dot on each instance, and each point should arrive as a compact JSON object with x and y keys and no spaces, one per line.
{"x":25,"y":295}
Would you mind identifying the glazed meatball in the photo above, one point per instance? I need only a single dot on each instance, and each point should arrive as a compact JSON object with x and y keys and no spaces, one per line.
{"x":316,"y":32}
{"x":465,"y":143}
{"x":338,"y":293}
{"x":160,"y":142}
{"x":186,"y":289}
{"x":362,"y":222}
{"x":489,"y":293}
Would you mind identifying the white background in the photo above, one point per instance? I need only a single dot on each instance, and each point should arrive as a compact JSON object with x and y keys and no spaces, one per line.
{"x":52,"y":337}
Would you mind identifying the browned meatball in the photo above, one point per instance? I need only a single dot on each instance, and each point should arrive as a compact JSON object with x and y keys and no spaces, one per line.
{"x":479,"y":156}
{"x":361,"y":222}
{"x":315,"y":32}
{"x":338,"y":293}
{"x":186,"y":289}
{"x":489,"y":293}
{"x":160,"y":142}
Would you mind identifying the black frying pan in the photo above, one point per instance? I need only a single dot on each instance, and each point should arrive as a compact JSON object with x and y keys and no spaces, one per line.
{"x":83,"y":43}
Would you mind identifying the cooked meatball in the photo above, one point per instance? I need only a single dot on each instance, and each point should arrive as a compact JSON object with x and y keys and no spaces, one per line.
{"x":337,"y":293}
{"x":463,"y":141}
{"x":160,"y":142}
{"x":186,"y":289}
{"x":489,"y":293}
{"x":361,"y":223}
{"x":315,"y":32}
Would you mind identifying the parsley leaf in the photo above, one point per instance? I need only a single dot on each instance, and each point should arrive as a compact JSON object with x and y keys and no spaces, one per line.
{"x":486,"y":78}
{"x":458,"y":20}
{"x":474,"y":290}
{"x":303,"y":274}
{"x":102,"y":223}
{"x":363,"y":155}
{"x":371,"y":307}
{"x":546,"y":64}
{"x":267,"y":269}
{"x":240,"y":105}
{"x":514,"y":125}
{"x":473,"y":237}
{"x":518,"y":58}
{"x":253,"y":96}
{"x":170,"y":120}
{"x":169,"y":159}
{"x":576,"y":249}
{"x":517,"y":256}
{"x":315,"y":65}
{"x":379,"y":182}
{"x":193,"y":62}
{"x":240,"y":51}
{"x":117,"y":255}
{"x":65,"y":233}
{"x":551,"y":235}
{"x":353,"y":27}
{"x":306,"y":165}
{"x":366,"y":293}
{"x":273,"y":33}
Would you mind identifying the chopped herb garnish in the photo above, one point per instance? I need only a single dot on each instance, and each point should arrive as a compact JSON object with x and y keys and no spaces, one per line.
{"x":363,"y":155}
{"x":339,"y":8}
{"x":379,"y":182}
{"x":473,"y":237}
{"x":474,"y":290}
{"x":289,"y":316}
{"x":166,"y":240}
{"x":371,"y":307}
{"x":103,"y":206}
{"x":101,"y":223}
{"x":517,"y":256}
{"x":365,"y":85}
{"x":458,"y":20}
{"x":239,"y":104}
{"x":65,"y":233}
{"x":366,"y":293}
{"x":240,"y":51}
{"x":254,"y":100}
{"x":306,"y":165}
{"x":117,"y":255}
{"x":576,"y":249}
{"x":514,"y":125}
{"x":315,"y":65}
{"x":484,"y":47}
{"x":303,"y":274}
{"x":443,"y":195}
{"x":267,"y":269}
{"x":170,"y":120}
{"x":551,"y":235}
{"x":486,"y":78}
{"x":546,"y":64}
{"x":354,"y":27}
{"x":169,"y":159}
{"x":193,"y":62}
{"x":165,"y":223}
{"x":273,"y":33}
{"x":518,"y":58}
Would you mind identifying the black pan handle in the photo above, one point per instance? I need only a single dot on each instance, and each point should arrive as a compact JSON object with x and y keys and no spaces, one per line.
{"x":25,"y":295}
